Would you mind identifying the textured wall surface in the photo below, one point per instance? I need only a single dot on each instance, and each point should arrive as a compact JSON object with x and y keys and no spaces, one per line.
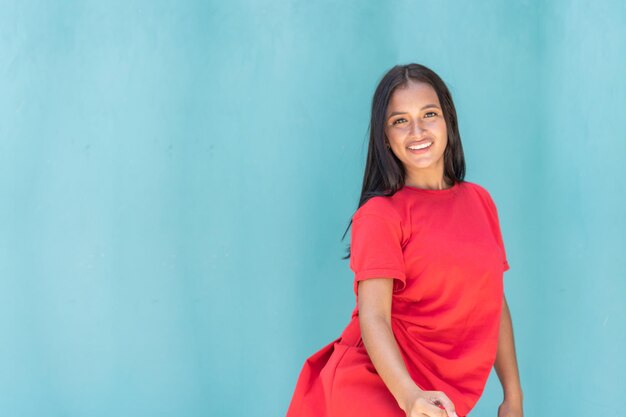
{"x":176,"y":177}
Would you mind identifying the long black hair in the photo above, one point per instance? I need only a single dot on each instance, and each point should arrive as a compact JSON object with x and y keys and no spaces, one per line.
{"x":384,"y":172}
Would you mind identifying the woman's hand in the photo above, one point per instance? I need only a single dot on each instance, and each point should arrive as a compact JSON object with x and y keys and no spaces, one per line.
{"x":426,"y":403}
{"x":510,"y":409}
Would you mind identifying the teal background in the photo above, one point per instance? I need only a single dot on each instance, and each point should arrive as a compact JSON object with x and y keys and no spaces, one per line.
{"x":175,"y":179}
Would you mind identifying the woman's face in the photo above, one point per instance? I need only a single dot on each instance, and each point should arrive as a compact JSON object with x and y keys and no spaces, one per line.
{"x":414,"y":117}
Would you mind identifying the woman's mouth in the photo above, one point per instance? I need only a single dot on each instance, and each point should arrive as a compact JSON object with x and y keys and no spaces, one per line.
{"x":418,"y":149}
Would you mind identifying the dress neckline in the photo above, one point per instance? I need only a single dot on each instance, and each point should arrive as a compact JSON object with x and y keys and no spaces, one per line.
{"x":445,"y":191}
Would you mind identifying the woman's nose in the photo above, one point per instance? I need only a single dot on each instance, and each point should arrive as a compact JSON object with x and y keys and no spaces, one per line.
{"x":416,"y":127}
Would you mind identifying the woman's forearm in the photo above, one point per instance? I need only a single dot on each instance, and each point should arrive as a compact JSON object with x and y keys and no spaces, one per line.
{"x":506,"y":362}
{"x":384,"y":353}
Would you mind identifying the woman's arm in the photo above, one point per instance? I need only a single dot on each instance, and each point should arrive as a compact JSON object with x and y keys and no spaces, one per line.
{"x":506,"y":364}
{"x":374,"y":306}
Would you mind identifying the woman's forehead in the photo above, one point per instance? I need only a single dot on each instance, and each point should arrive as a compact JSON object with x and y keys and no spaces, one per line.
{"x":412,"y":96}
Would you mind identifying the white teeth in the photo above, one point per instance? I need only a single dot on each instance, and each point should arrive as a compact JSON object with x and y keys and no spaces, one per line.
{"x":421,"y":146}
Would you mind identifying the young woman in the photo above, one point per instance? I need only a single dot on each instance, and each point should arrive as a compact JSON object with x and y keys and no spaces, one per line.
{"x":426,"y":249}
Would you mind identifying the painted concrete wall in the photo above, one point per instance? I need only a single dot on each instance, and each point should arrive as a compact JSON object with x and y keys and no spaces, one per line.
{"x":176,"y":176}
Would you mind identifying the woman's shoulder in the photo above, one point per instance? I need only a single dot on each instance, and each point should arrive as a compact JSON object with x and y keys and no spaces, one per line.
{"x":380,"y":205}
{"x":478,"y":189}
{"x":483,"y":195}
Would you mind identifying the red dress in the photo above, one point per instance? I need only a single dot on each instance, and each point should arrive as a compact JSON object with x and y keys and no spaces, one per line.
{"x":444,"y":250}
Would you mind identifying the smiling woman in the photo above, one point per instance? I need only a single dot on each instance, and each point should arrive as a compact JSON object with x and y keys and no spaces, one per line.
{"x":416,"y":132}
{"x":428,"y":258}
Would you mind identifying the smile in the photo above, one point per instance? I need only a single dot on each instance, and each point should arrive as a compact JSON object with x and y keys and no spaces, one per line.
{"x":419,"y":148}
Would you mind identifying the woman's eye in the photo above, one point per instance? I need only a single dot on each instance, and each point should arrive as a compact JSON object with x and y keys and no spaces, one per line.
{"x":395,"y":122}
{"x":432,"y":112}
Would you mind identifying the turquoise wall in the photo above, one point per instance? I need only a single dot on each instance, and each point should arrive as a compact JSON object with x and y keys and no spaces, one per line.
{"x":176,"y":177}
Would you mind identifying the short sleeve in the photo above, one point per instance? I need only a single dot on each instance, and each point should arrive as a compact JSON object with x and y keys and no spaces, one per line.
{"x":498,"y":233}
{"x":376,"y":248}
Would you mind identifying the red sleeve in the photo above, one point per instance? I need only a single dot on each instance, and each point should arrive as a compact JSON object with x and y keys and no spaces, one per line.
{"x":376,"y":248}
{"x":498,"y":233}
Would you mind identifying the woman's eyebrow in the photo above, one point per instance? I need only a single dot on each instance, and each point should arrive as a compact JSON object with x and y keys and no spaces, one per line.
{"x":395,"y":113}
